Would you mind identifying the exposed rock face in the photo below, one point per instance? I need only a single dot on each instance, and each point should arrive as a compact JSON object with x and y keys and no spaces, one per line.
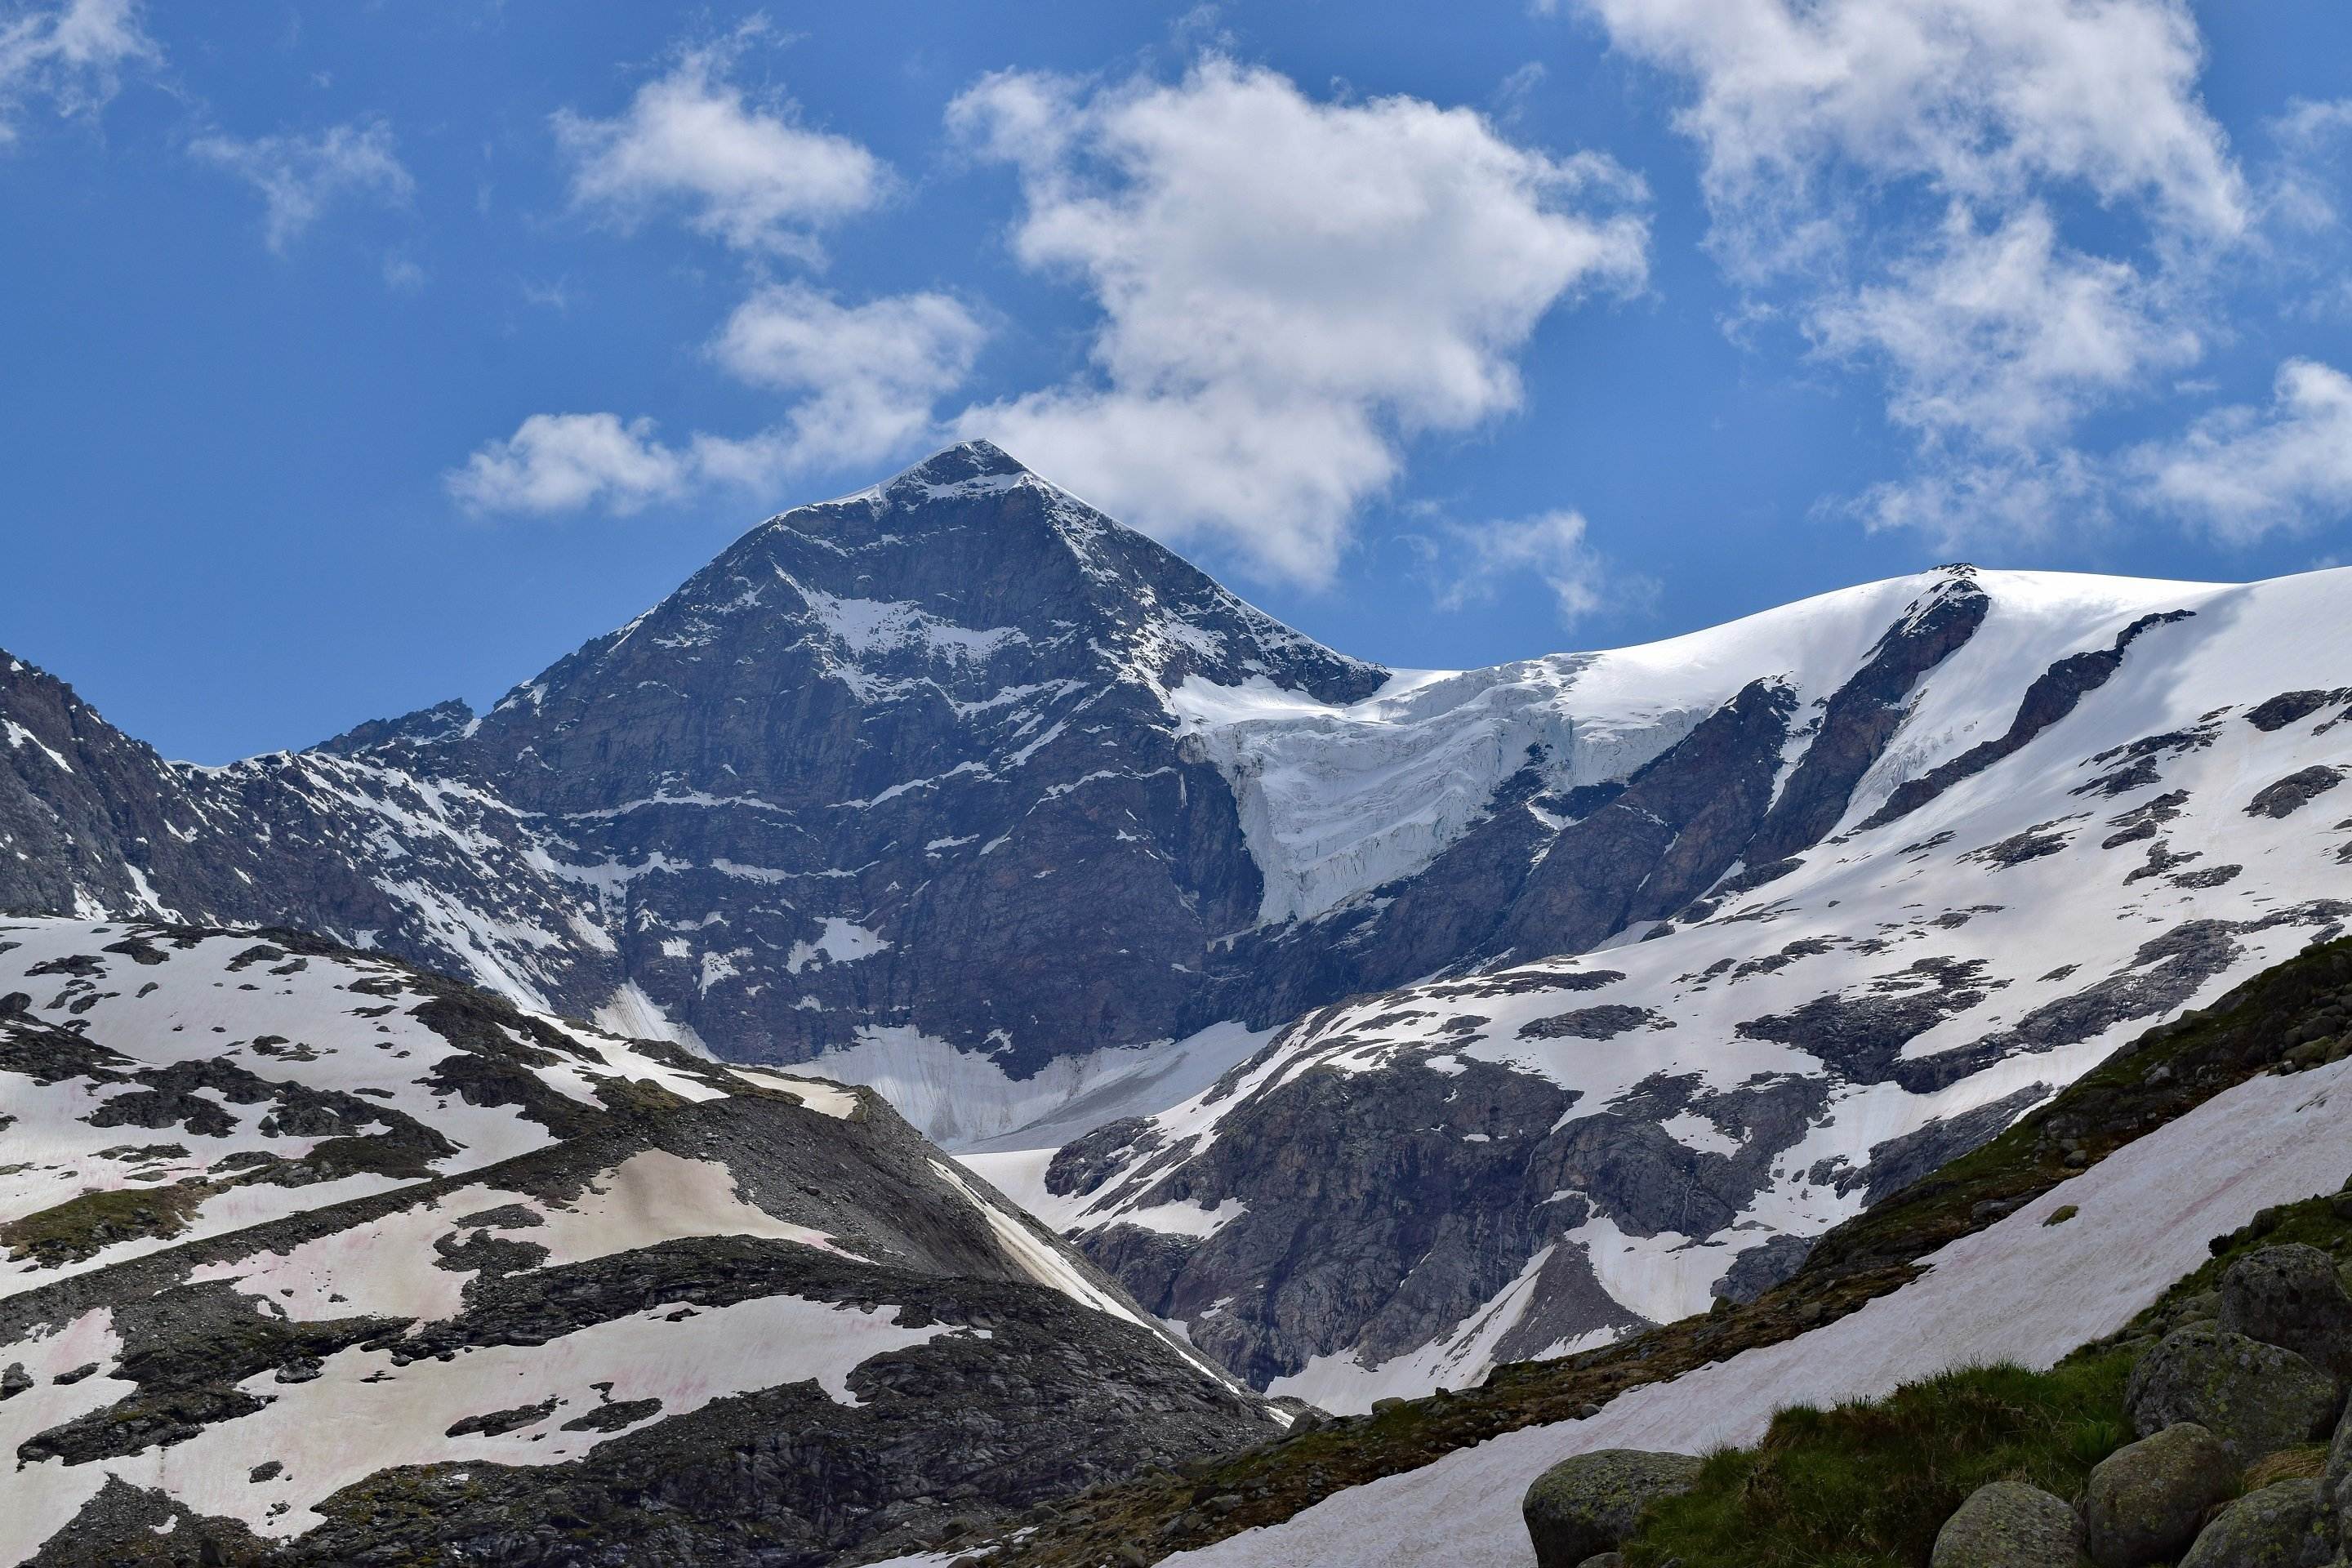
{"x":2009,"y":1524}
{"x":900,"y":763}
{"x":1589,"y":1505}
{"x":2145,"y":1500}
{"x":2293,"y":792}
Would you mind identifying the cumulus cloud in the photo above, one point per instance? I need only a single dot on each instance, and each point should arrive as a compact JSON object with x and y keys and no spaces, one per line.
{"x":1290,"y":289}
{"x":299,"y":177}
{"x":2018,"y":494}
{"x":866,"y":378}
{"x":1985,"y":101}
{"x":564,"y":462}
{"x":1550,"y":547}
{"x":868,"y":375}
{"x":72,"y":55}
{"x":2004,"y":336}
{"x":2245,"y":472}
{"x":744,"y":172}
{"x":1888,"y":172}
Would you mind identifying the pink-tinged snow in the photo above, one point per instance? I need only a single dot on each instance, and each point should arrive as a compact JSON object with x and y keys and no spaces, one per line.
{"x":2020,"y":1290}
{"x":387,"y":1266}
{"x":42,"y":1498}
{"x":364,"y":1414}
{"x":193,"y":1007}
{"x":1053,"y":1265}
{"x":2025,"y":922}
{"x":825,"y":1098}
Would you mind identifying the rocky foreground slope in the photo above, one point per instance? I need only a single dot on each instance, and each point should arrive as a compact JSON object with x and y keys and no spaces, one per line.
{"x":313,"y":1258}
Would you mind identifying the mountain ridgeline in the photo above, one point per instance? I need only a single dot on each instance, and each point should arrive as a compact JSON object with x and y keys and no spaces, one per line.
{"x":1378,"y":1026}
{"x":914,"y":768}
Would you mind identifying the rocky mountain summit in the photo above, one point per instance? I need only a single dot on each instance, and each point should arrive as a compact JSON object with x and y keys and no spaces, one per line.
{"x":314,"y":1259}
{"x":1375,"y":1025}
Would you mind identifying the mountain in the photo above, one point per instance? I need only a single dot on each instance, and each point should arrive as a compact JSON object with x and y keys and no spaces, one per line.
{"x":2037,"y":814}
{"x":1374,"y":1025}
{"x":2100,"y":1223}
{"x":316,"y":1259}
{"x":833,"y":797}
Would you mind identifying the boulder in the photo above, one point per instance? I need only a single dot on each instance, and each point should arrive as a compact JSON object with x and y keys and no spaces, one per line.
{"x":1587,"y":1506}
{"x":2009,"y":1524}
{"x":2145,"y":1502}
{"x":2277,"y":1527}
{"x":2293,"y":1298}
{"x":1604,"y":1560}
{"x":2256,"y":1398}
{"x":2335,"y":1483}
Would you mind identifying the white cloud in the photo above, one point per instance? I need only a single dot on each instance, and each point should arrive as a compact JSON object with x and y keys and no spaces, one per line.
{"x":1986,"y":101}
{"x":2004,"y":337}
{"x":1550,"y":547}
{"x":1890,"y":170}
{"x":564,"y":462}
{"x":747,"y":173}
{"x":72,"y":55}
{"x":2245,"y":472}
{"x":2021,"y":496}
{"x":869,"y":374}
{"x":299,"y":177}
{"x":1290,"y":289}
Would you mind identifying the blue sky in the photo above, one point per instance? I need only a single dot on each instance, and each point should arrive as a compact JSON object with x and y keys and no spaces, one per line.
{"x":354,"y":356}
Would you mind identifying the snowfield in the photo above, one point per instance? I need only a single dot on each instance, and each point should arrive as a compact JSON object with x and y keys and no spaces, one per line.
{"x":2020,"y":1291}
{"x":486,"y":1286}
{"x":2171,"y":835}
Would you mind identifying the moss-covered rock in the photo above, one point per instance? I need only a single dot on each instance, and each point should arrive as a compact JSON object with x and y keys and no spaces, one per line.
{"x":1585,"y":1506}
{"x":2256,"y":1398}
{"x":2276,"y":1527}
{"x":2293,"y":1298}
{"x":2009,"y":1524}
{"x":2146,"y":1501}
{"x":2336,"y":1482}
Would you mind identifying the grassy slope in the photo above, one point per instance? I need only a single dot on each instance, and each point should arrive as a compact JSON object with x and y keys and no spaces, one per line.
{"x":2161,"y":1076}
{"x":1867,"y":1485}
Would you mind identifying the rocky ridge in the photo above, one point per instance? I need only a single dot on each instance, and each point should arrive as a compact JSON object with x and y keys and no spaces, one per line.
{"x":1584,"y":1145}
{"x":315,"y":1259}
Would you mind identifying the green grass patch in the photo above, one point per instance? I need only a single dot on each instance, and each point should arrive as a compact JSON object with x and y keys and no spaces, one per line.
{"x":1869,"y":1485}
{"x":83,"y":1226}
